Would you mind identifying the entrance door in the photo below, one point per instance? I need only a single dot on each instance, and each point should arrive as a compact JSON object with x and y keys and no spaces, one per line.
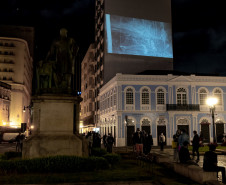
{"x":219,"y":132}
{"x":161,"y":129}
{"x":130,"y":131}
{"x":146,"y":129}
{"x":184,"y":127}
{"x":206,"y":133}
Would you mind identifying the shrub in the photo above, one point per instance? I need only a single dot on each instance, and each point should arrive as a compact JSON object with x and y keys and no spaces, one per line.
{"x":99,"y":152}
{"x":53,"y":164}
{"x":112,"y":158}
{"x":11,"y":155}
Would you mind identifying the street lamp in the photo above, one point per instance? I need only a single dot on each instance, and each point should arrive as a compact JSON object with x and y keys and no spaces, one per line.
{"x":212,"y":101}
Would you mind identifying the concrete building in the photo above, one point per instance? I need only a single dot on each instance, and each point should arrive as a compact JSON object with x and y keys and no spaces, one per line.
{"x":87,"y":91}
{"x":5,"y":98}
{"x":131,"y":37}
{"x":16,"y":69}
{"x":161,"y":104}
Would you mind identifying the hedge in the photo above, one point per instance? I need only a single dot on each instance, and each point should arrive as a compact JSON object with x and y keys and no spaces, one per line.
{"x":112,"y":158}
{"x":53,"y":164}
{"x":99,"y":152}
{"x":11,"y":155}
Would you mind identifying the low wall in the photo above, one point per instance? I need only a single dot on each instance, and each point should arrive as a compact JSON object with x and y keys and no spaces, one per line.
{"x":196,"y":173}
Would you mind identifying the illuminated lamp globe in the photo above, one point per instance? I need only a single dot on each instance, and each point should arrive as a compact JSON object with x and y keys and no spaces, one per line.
{"x":211,"y":101}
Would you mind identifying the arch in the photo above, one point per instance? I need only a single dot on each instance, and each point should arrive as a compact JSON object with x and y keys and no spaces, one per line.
{"x":204,"y":120}
{"x":183,"y":123}
{"x":145,"y":124}
{"x":145,"y":121}
{"x":161,"y":121}
{"x":131,"y":121}
{"x":219,"y":120}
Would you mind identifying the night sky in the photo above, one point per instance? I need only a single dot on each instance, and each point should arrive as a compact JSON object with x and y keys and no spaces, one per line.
{"x":199,"y":28}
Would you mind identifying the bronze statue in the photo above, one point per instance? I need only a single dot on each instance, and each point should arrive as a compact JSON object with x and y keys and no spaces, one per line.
{"x":61,"y":60}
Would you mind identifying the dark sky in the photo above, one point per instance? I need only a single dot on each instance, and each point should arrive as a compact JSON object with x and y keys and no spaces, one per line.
{"x":199,"y":28}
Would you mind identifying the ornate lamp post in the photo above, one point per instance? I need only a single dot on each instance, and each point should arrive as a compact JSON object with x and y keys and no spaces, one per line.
{"x":212,"y":101}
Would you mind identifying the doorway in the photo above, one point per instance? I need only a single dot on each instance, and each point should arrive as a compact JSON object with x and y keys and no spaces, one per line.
{"x":219,"y":132}
{"x":205,"y":128}
{"x":130,"y":131}
{"x":184,"y":127}
{"x":146,"y":129}
{"x":161,"y":129}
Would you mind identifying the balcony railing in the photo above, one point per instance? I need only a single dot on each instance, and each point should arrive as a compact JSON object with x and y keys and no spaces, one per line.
{"x":182,"y":107}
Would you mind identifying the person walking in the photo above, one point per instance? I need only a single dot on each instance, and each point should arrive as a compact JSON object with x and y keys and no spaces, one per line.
{"x":195,"y":145}
{"x":110,"y":141}
{"x":175,"y":146}
{"x":210,"y":162}
{"x":162,"y":140}
{"x":104,"y":140}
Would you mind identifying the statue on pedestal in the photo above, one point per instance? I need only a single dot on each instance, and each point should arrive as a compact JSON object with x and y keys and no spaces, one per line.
{"x":56,"y":72}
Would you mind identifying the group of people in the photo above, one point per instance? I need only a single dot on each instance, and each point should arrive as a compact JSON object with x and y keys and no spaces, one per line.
{"x":181,"y":152}
{"x":95,"y":141}
{"x":142,"y":142}
{"x":181,"y":140}
{"x":108,"y":142}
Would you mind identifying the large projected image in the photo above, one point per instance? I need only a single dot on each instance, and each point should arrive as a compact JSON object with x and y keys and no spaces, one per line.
{"x":134,"y":36}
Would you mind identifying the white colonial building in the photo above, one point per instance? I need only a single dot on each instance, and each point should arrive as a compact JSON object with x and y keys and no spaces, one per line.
{"x":161,"y":103}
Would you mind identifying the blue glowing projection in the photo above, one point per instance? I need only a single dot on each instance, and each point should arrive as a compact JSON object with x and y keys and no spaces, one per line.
{"x":132,"y":36}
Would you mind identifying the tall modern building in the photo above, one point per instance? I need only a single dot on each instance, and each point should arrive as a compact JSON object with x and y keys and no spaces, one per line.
{"x":87,"y":89}
{"x":131,"y":37}
{"x":16,"y":69}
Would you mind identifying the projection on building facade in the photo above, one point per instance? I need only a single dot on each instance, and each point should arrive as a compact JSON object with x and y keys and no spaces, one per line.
{"x":132,"y":36}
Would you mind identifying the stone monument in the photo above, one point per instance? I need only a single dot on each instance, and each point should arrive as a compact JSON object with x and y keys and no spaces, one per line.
{"x":56,"y":104}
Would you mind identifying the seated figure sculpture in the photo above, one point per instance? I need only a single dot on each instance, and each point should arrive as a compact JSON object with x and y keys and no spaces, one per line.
{"x":57,"y":70}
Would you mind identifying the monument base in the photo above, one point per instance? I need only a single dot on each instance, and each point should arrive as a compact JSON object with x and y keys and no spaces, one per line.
{"x":56,"y":126}
{"x":43,"y":145}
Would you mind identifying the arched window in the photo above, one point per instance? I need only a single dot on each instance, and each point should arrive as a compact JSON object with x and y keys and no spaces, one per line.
{"x":218,"y":94}
{"x":160,"y":96}
{"x":181,"y":96}
{"x":129,"y":96}
{"x":202,"y":96}
{"x":145,"y":97}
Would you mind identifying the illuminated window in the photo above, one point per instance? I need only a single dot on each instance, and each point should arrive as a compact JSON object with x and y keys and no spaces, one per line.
{"x":129,"y":96}
{"x":145,"y":96}
{"x":160,"y":97}
{"x":202,"y":96}
{"x":218,"y":94}
{"x":181,"y":96}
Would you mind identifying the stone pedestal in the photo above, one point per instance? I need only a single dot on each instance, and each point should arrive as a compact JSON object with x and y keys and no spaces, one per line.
{"x":56,"y":127}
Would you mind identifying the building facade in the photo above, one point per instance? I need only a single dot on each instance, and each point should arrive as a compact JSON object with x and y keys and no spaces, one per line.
{"x":16,"y":69}
{"x":161,"y":104}
{"x":125,"y":33}
{"x":5,"y":98}
{"x":87,"y":91}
